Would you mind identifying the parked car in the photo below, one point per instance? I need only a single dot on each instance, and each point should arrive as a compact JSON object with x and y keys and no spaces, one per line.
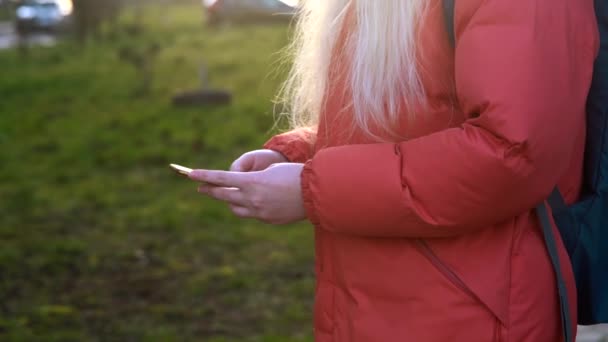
{"x":238,"y":11}
{"x":38,"y":15}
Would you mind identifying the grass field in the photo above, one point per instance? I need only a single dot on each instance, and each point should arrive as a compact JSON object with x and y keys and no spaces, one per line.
{"x":99,"y":241}
{"x":5,"y":13}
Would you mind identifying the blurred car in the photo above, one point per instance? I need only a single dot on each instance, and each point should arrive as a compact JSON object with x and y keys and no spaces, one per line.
{"x":238,"y":11}
{"x":38,"y":15}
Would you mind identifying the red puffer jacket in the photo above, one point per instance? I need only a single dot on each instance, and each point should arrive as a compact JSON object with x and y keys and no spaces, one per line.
{"x":434,"y":238}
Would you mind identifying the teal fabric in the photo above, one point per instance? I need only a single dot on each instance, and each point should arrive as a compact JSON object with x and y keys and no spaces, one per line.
{"x":584,"y":226}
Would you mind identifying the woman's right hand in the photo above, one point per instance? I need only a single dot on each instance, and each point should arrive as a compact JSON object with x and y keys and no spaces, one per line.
{"x":257,"y":160}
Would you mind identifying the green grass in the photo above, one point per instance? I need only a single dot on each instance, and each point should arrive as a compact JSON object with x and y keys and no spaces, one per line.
{"x":99,"y":240}
{"x":5,"y":13}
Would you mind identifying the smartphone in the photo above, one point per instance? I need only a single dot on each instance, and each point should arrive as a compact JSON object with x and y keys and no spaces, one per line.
{"x":182,"y":170}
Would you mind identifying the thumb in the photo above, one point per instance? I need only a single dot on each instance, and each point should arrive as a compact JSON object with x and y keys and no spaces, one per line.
{"x":243,"y":164}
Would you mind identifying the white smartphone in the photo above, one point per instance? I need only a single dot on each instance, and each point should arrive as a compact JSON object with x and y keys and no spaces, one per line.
{"x":182,"y":170}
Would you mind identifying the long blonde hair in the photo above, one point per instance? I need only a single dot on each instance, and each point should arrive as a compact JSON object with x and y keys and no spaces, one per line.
{"x":380,"y":45}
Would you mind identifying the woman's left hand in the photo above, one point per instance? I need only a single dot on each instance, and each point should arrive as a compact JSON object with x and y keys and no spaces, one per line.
{"x":273,"y":195}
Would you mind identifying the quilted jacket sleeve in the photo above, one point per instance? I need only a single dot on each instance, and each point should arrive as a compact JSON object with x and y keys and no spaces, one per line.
{"x":523,"y":69}
{"x":296,"y":145}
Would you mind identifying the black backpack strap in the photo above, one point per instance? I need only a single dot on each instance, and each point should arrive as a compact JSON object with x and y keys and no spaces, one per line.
{"x":541,"y":210}
{"x":448,"y":13}
{"x":556,"y":201}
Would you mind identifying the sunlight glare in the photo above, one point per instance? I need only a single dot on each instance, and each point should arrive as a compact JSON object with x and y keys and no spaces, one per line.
{"x":288,"y":2}
{"x":65,"y":6}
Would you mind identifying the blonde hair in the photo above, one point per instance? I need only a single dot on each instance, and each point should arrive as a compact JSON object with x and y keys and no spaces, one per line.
{"x":380,"y":46}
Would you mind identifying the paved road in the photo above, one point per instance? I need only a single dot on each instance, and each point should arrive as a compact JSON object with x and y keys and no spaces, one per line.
{"x":9,"y":38}
{"x":598,"y":333}
{"x":7,"y":35}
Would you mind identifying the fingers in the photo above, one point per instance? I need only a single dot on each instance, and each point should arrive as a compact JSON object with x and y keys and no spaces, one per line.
{"x":233,"y":196}
{"x":225,"y":179}
{"x":242,"y":212}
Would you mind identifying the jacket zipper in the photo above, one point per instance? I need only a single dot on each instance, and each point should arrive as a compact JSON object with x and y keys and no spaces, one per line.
{"x":497,"y":330}
{"x":454,"y":279}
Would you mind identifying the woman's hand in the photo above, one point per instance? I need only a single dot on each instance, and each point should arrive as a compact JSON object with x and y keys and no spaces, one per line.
{"x":273,"y":195}
{"x":257,"y":160}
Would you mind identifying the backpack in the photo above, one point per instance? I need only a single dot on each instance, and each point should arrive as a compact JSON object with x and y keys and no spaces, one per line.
{"x":583,"y":226}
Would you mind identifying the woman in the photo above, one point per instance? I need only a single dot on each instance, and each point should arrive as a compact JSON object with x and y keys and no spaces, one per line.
{"x":419,"y":164}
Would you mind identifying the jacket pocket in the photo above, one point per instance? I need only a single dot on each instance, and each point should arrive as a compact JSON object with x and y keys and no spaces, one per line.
{"x":453,"y":278}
